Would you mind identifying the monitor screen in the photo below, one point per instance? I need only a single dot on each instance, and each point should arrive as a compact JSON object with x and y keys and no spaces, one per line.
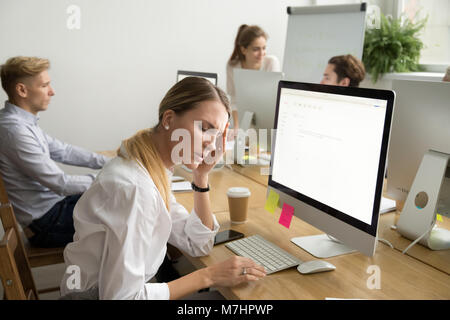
{"x":330,"y":150}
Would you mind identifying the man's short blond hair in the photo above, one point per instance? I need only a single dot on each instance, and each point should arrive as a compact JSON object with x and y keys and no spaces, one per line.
{"x":17,"y":68}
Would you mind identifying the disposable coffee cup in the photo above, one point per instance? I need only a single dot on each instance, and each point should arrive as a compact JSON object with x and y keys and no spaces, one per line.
{"x":238,"y":204}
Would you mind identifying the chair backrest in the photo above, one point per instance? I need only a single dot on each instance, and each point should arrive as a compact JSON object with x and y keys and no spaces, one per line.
{"x":13,"y":273}
{"x":22,"y":265}
{"x":3,"y":194}
{"x":6,"y":210}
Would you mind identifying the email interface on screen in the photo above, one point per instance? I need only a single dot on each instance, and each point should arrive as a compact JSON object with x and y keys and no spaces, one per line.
{"x":328,"y":148}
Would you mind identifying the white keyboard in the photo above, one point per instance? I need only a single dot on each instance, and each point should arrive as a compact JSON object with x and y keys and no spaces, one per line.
{"x":263,"y":252}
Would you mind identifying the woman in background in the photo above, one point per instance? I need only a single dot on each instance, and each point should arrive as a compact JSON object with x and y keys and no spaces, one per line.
{"x":249,"y":53}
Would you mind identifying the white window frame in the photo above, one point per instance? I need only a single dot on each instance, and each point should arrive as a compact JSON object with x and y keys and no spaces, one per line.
{"x":398,"y":7}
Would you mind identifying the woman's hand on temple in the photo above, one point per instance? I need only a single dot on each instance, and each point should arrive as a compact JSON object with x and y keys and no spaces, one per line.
{"x":212,"y":157}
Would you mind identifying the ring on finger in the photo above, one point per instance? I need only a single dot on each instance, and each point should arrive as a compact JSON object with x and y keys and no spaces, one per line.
{"x":244,"y":271}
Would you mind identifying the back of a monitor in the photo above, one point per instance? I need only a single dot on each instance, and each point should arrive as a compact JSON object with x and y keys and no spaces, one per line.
{"x":256,"y":91}
{"x":421,"y":122}
{"x":212,"y":77}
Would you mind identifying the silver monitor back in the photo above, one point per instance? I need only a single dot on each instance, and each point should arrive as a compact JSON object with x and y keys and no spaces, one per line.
{"x":256,"y":91}
{"x":421,"y":122}
{"x":181,"y":74}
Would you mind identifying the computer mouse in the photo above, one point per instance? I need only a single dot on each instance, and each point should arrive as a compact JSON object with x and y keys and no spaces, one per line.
{"x":314,"y":266}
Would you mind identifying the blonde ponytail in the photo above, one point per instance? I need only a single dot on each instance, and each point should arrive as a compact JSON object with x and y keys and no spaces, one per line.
{"x":141,"y":148}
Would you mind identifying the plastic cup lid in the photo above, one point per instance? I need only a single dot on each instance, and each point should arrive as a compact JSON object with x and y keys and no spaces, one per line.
{"x":238,"y":192}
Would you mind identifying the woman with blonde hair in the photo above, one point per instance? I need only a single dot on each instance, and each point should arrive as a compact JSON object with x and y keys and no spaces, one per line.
{"x":249,"y":53}
{"x":125,"y":220}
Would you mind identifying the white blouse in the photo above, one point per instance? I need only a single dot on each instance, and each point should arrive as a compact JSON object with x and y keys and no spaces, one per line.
{"x":122,"y":228}
{"x":269,"y":63}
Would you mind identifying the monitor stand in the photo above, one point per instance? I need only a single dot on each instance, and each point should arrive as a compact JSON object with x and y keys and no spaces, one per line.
{"x":419,"y":213}
{"x":322,"y":246}
{"x":246,"y":121}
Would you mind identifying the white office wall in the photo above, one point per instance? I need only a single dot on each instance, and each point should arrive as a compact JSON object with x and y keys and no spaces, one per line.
{"x":110,"y":75}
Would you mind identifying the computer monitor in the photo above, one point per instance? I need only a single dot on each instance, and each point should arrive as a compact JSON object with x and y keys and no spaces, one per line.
{"x":421,"y":122}
{"x":328,"y":162}
{"x":181,"y":74}
{"x":256,"y":96}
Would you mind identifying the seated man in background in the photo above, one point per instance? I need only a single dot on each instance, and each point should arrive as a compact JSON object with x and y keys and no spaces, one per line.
{"x":346,"y":71}
{"x":42,"y":195}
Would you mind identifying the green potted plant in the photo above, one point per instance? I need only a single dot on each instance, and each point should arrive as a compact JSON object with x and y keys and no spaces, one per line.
{"x":394,"y":47}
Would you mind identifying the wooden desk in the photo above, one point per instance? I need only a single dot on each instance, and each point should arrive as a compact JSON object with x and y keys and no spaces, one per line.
{"x":253,"y":172}
{"x":220,"y":181}
{"x":402,"y":277}
{"x":437,"y":259}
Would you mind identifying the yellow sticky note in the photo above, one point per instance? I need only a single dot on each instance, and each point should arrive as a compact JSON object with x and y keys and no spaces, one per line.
{"x":439,"y":217}
{"x":272,"y":201}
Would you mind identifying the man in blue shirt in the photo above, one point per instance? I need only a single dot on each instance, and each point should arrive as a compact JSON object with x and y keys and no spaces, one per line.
{"x":42,"y":195}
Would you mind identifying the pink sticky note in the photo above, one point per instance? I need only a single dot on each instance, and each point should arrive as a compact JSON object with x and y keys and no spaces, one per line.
{"x":286,"y":215}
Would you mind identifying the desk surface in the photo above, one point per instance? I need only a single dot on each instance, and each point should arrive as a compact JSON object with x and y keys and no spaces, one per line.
{"x":220,"y":181}
{"x":402,"y":277}
{"x":417,"y":276}
{"x":438,"y":259}
{"x":253,"y":172}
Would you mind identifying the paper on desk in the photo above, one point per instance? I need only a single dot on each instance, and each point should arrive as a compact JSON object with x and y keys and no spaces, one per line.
{"x":177,"y":178}
{"x":387,"y":205}
{"x":181,"y":186}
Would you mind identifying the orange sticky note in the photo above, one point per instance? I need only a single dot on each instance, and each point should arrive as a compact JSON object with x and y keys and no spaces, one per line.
{"x":439,"y":217}
{"x":272,"y":201}
{"x":286,"y":215}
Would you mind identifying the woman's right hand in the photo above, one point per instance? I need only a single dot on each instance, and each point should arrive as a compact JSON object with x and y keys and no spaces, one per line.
{"x":230,"y":273}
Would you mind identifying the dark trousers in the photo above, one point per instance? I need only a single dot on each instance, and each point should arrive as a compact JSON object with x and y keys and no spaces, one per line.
{"x":55,"y":228}
{"x":166,"y":271}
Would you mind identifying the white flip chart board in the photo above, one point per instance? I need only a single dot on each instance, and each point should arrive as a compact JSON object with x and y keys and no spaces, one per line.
{"x":317,"y":33}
